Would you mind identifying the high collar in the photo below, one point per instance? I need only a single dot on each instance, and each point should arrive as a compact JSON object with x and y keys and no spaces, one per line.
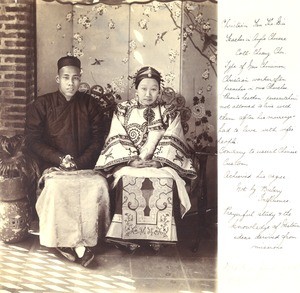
{"x":61,"y":96}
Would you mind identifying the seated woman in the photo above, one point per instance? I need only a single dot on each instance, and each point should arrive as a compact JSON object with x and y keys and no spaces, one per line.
{"x":146,"y":153}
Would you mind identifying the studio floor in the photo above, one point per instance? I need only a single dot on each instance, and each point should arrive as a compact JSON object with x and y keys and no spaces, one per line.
{"x":29,"y":267}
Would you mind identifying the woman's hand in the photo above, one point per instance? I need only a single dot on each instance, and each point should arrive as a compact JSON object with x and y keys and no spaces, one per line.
{"x":138,"y":163}
{"x":153,"y":164}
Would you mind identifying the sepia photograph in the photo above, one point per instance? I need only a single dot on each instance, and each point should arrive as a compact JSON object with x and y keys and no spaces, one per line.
{"x":108,"y":146}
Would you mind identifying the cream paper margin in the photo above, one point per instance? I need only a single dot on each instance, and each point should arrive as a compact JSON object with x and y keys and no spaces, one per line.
{"x":242,"y":268}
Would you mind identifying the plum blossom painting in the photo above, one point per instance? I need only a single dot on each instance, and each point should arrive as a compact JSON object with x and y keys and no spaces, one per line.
{"x":113,"y":41}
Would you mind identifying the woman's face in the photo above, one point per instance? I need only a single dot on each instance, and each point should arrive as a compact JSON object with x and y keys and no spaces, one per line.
{"x":148,"y":91}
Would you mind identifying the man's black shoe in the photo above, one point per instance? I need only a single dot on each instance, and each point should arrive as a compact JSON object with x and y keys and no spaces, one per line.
{"x":67,"y":252}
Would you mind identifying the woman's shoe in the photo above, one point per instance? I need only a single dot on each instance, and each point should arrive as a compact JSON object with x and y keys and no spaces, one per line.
{"x":132,"y":247}
{"x":123,"y":245}
{"x":155,"y":246}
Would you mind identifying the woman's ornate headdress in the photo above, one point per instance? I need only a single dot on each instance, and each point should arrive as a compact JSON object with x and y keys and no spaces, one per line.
{"x":147,"y":72}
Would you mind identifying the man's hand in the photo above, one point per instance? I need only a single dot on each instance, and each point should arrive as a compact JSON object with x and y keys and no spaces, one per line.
{"x":67,"y":163}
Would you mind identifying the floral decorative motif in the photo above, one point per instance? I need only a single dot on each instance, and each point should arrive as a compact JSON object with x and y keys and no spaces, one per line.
{"x":147,"y":11}
{"x":132,"y":45}
{"x":84,"y":21}
{"x":77,"y":52}
{"x":69,"y":16}
{"x":190,"y":6}
{"x":198,"y":111}
{"x":112,"y":91}
{"x":78,"y":37}
{"x":172,"y":55}
{"x":197,"y":28}
{"x":143,"y":24}
{"x":213,"y":58}
{"x":201,"y":137}
{"x":205,"y":74}
{"x":189,"y":22}
{"x":111,"y":24}
{"x":200,"y":92}
{"x":155,"y":6}
{"x":169,"y":77}
{"x":117,"y":85}
{"x":100,"y":9}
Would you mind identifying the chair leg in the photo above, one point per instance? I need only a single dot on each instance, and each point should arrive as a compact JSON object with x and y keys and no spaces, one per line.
{"x":202,"y":232}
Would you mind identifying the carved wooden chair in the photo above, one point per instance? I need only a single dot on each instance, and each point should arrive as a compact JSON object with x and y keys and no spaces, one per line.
{"x":197,"y":188}
{"x":106,"y":101}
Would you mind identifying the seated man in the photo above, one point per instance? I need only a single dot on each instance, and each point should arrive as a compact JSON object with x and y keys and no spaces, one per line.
{"x":64,"y":132}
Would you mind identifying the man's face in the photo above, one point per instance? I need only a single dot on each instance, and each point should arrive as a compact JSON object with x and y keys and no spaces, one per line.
{"x":68,"y":79}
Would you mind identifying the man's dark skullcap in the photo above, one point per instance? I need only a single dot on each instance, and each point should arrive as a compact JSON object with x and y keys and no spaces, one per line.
{"x":68,"y":61}
{"x":147,"y":72}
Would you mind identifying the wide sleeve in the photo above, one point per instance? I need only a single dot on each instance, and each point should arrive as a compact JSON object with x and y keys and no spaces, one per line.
{"x":118,"y":148}
{"x":172,"y":149}
{"x":89,"y":156}
{"x":34,"y":133}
